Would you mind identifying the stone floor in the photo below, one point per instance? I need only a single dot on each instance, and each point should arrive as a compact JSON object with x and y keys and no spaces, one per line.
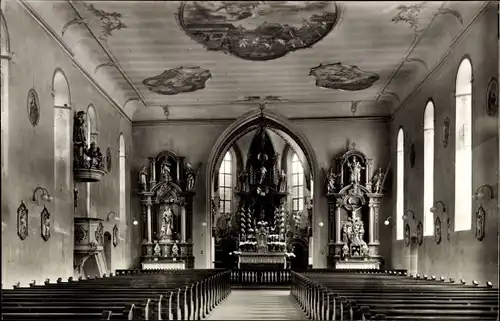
{"x":258,"y":305}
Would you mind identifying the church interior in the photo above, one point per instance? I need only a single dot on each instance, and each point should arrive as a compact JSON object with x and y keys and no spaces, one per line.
{"x":249,"y":160}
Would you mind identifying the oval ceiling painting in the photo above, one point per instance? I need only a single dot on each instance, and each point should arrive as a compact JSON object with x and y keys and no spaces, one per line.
{"x":258,"y":30}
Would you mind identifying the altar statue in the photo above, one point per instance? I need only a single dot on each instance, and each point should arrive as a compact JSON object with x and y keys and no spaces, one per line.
{"x":165,"y":171}
{"x":377,"y":181}
{"x":190,"y":177}
{"x":79,"y":134}
{"x":175,"y":249}
{"x":282,"y":182}
{"x":166,"y":224}
{"x":331,"y":180}
{"x":263,"y":171}
{"x":356,"y":168}
{"x":143,"y":178}
{"x":243,"y":178}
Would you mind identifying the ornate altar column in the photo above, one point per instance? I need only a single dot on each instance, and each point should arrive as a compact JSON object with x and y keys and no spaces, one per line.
{"x":338,"y":227}
{"x":373,"y":234}
{"x":152,"y":175}
{"x":148,"y":203}
{"x":183,"y":222}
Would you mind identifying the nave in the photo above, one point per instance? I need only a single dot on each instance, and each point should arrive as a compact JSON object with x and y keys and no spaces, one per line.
{"x":316,"y":294}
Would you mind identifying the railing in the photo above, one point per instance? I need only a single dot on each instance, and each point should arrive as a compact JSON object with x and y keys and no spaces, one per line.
{"x":259,"y":277}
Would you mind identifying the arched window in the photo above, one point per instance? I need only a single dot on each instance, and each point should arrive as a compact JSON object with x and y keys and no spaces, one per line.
{"x":91,"y":137}
{"x":123,"y":208}
{"x":297,"y":184}
{"x":226,"y":183}
{"x":62,"y":131}
{"x":463,"y":147}
{"x":428,"y":168}
{"x":400,"y":184}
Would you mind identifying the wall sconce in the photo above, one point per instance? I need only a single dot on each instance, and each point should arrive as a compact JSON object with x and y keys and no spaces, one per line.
{"x":479,"y":194}
{"x":46,"y":197}
{"x":433,"y":209}
{"x":134,"y":221}
{"x":204,"y":224}
{"x":405,"y":216}
{"x":115,"y":217}
{"x":386,"y":222}
{"x":320,"y":224}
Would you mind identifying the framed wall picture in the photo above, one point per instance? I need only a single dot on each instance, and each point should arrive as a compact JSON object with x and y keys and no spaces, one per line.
{"x":480,"y":223}
{"x":33,"y":107}
{"x":45,"y":224}
{"x":492,"y":97}
{"x":420,"y":233}
{"x":446,"y":132}
{"x":437,"y":230}
{"x":407,"y":235}
{"x":22,"y":221}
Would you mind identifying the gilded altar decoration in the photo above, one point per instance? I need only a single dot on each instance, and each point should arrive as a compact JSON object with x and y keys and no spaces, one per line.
{"x":480,"y":223}
{"x":446,"y":131}
{"x":143,"y":178}
{"x":167,"y":221}
{"x":492,"y":98}
{"x":258,"y":30}
{"x":407,"y":234}
{"x":22,"y":221}
{"x":45,"y":224}
{"x":89,"y":164}
{"x":178,"y":80}
{"x":343,"y":77}
{"x":115,"y":235}
{"x":420,"y":233}
{"x":99,"y":234}
{"x":33,"y":107}
{"x":437,"y":230}
{"x":354,"y":197}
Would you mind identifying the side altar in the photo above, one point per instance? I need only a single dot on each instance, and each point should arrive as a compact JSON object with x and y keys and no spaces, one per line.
{"x":354,"y":197}
{"x":262,"y":210}
{"x":167,"y":190}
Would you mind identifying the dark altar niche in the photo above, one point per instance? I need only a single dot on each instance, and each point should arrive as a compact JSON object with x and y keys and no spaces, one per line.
{"x":354,"y":197}
{"x":167,"y":190}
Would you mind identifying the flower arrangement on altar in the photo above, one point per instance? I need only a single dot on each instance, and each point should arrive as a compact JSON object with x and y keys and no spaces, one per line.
{"x":290,"y":254}
{"x":248,"y":246}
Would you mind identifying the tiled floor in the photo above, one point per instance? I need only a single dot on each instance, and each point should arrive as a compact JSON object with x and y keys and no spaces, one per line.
{"x":258,"y":305}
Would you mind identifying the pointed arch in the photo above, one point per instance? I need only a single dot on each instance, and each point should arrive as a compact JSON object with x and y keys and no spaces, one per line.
{"x":463,"y":146}
{"x":400,"y":183}
{"x":428,"y":167}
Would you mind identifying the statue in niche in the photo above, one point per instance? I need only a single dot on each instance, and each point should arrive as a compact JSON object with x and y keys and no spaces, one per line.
{"x":175,"y":249}
{"x":157,"y":250}
{"x":282,"y":182}
{"x":166,"y":224}
{"x":356,"y":168}
{"x":243,"y":178}
{"x":377,"y":181}
{"x":79,"y":134}
{"x":365,"y":251}
{"x":165,"y":172}
{"x":191,"y":176}
{"x":345,"y":251}
{"x":263,"y":169}
{"x":143,"y":177}
{"x":331,"y":180}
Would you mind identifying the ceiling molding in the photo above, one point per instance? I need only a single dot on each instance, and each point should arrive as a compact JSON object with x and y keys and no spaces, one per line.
{"x":455,"y":41}
{"x":220,"y":121}
{"x":71,"y":56}
{"x":112,"y":59}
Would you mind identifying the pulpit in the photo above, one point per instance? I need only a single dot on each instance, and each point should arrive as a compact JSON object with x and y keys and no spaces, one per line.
{"x":167,"y":191}
{"x":354,"y":197}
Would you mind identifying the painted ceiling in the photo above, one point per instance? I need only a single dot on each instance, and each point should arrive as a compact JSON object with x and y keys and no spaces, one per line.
{"x":220,"y":59}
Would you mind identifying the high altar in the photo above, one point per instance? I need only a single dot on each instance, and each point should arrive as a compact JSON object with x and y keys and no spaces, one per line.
{"x":354,"y":197}
{"x":262,"y":210}
{"x":167,"y":191}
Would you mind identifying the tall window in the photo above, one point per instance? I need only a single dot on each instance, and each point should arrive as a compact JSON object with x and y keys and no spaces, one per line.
{"x":463,"y":147}
{"x":62,"y":131}
{"x":297,"y":184}
{"x":123,"y":208}
{"x":91,"y":137}
{"x":428,"y":168}
{"x":400,"y":184}
{"x":226,"y":183}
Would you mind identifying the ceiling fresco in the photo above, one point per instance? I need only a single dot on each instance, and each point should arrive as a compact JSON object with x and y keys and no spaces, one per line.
{"x":343,"y":77}
{"x":258,"y":30}
{"x":178,"y":80}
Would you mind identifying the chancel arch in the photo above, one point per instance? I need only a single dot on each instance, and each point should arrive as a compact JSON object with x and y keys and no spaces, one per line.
{"x":428,"y":168}
{"x":463,"y":146}
{"x":252,"y":121}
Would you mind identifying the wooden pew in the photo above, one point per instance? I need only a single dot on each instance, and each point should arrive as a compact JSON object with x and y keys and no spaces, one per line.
{"x":182,"y":296}
{"x":366,"y":296}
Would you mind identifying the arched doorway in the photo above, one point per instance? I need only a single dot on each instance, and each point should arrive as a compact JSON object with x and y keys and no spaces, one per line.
{"x":245,"y":124}
{"x":107,"y":251}
{"x":300,"y":248}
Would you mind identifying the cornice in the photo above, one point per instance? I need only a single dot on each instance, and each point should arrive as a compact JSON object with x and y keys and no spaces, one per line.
{"x":45,"y":26}
{"x":443,"y":58}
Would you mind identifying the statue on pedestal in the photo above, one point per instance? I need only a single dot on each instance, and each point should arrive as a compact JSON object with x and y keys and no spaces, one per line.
{"x":165,"y":171}
{"x":143,"y":178}
{"x":282,"y":182}
{"x":377,"y":181}
{"x":191,"y":177}
{"x":331,"y":180}
{"x":79,"y":135}
{"x":166,"y":224}
{"x":356,"y":168}
{"x":175,"y":249}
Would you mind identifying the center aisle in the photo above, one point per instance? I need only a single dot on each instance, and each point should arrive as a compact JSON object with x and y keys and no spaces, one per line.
{"x":258,"y":305}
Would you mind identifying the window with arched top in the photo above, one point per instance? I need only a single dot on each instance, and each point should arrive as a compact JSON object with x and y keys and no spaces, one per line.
{"x":62,"y":131}
{"x":297,"y":187}
{"x":400,"y":184}
{"x":463,"y":147}
{"x":122,"y":170}
{"x":92,"y":131}
{"x":226,"y":184}
{"x":428,"y":168}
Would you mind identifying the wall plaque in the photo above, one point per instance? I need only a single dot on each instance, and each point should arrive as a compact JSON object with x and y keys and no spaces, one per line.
{"x":492,"y":98}
{"x":480,"y":218}
{"x":33,"y":107}
{"x":446,"y":132}
{"x":420,"y":233}
{"x":22,"y":221}
{"x":437,"y":230}
{"x":45,"y":224}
